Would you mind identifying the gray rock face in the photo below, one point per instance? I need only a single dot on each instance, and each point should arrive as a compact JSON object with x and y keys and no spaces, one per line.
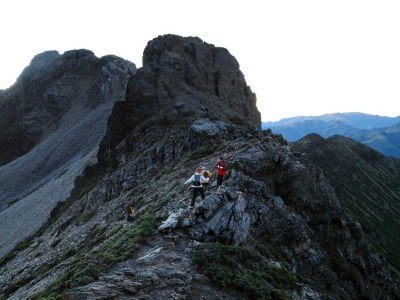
{"x":182,"y":78}
{"x":61,"y":102}
{"x":51,"y":86}
{"x":221,"y":219}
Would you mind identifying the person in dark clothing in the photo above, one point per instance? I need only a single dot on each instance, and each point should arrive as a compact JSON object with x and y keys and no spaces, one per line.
{"x":196,"y":179}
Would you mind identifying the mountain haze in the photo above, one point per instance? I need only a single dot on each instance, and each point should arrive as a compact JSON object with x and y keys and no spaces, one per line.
{"x":275,"y":229}
{"x":355,"y":119}
{"x":385,"y":140}
{"x":379,"y":133}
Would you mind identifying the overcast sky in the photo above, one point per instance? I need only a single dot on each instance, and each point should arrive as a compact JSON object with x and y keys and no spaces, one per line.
{"x":301,"y":58}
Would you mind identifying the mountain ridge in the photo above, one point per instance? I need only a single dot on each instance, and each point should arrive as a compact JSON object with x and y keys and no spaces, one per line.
{"x":354,"y":179}
{"x":273,"y":230}
{"x":377,"y":132}
{"x":355,"y":119}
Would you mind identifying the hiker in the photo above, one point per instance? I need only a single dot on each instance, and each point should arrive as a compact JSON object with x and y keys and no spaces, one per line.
{"x":129,"y":212}
{"x":221,"y":170}
{"x":207,"y":175}
{"x":197,"y":186}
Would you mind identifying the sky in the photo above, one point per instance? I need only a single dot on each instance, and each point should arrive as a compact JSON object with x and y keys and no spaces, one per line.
{"x":301,"y":58}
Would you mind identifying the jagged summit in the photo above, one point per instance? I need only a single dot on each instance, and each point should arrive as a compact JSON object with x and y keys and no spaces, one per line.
{"x":182,"y":78}
{"x":49,"y":88}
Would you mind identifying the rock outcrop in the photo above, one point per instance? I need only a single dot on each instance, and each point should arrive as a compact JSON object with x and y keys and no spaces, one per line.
{"x":182,"y":78}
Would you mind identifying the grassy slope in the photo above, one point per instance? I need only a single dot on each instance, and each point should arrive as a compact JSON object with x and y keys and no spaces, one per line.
{"x":366,"y":182}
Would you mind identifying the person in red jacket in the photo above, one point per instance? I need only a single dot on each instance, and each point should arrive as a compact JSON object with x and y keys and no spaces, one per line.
{"x":128,"y":212}
{"x":221,"y":170}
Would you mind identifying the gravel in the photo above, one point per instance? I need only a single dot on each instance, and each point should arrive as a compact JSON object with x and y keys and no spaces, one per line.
{"x":32,"y":185}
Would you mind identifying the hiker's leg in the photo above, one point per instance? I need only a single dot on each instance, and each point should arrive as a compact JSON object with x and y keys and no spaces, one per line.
{"x":202,"y":193}
{"x":194,"y":196}
{"x":219,"y":179}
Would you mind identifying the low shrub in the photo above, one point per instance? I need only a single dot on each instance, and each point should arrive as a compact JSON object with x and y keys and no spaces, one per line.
{"x":87,"y":266}
{"x":243,"y":269}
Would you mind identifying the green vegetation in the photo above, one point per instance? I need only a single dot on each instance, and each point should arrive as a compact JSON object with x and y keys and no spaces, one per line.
{"x":237,"y":121}
{"x":341,"y":266}
{"x":6,"y":258}
{"x":87,"y":266}
{"x":160,"y":204}
{"x":243,"y":269}
{"x":189,"y":113}
{"x":366,"y":184}
{"x":13,"y":202}
{"x":55,"y":243}
{"x":273,"y":253}
{"x":61,"y":173}
{"x":68,"y":222}
{"x":201,"y":152}
{"x":115,"y":230}
{"x":19,"y":247}
{"x":171,"y":171}
{"x":176,"y":184}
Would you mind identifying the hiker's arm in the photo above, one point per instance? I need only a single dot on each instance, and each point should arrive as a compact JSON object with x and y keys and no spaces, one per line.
{"x":204,"y":179}
{"x":189,"y":180}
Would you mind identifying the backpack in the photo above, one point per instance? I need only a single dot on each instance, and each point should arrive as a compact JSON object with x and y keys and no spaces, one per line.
{"x":206,"y":174}
{"x":196,"y":181}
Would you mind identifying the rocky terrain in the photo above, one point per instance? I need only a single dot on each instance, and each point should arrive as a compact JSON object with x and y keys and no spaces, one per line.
{"x":274,"y":230}
{"x":366,"y":182}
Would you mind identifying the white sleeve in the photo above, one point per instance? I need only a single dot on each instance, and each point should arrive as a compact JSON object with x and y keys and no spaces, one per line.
{"x":190,"y":179}
{"x":205,"y":179}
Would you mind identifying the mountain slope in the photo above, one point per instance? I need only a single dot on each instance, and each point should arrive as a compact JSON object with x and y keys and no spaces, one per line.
{"x":366,"y":182}
{"x":64,"y":141}
{"x":273,"y":230}
{"x":384,"y":140}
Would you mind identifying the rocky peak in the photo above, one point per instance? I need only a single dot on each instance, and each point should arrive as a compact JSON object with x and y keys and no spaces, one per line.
{"x":51,"y":86}
{"x":182,"y":79}
{"x":39,"y":65}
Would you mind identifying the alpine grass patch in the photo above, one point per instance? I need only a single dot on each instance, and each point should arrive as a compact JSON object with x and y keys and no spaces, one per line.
{"x":243,"y":269}
{"x":87,"y":266}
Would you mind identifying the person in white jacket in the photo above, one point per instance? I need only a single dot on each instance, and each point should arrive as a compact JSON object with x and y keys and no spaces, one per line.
{"x":197,"y":187}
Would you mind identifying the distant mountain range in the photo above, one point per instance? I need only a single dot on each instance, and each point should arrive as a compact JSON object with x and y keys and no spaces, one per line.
{"x":377,"y":132}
